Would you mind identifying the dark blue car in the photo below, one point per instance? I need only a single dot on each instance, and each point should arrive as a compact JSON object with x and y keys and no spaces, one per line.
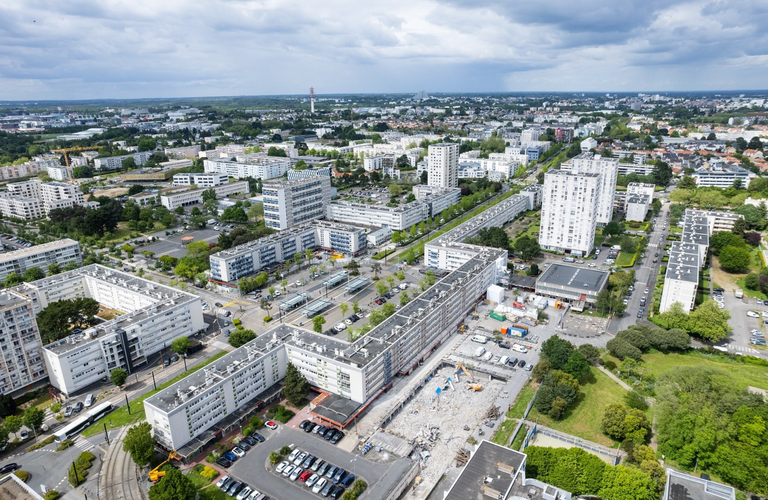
{"x":230,"y":456}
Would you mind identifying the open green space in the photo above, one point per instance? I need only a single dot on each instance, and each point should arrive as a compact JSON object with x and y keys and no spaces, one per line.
{"x":585,"y":419}
{"x":213,"y":493}
{"x":505,"y":432}
{"x":755,"y":294}
{"x":121,"y":417}
{"x":742,"y":374}
{"x":625,"y":259}
{"x":521,"y":403}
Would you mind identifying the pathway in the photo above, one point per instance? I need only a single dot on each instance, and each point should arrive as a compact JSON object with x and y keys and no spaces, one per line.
{"x":615,"y":378}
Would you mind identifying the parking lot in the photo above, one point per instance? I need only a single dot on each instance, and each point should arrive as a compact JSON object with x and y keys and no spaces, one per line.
{"x":254,"y":469}
{"x":747,"y":323}
{"x":171,"y":245}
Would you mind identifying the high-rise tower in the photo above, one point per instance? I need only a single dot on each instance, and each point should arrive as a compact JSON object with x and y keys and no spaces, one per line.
{"x":311,"y":99}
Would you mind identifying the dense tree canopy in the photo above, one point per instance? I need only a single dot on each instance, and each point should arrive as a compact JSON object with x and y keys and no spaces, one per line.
{"x":56,"y":320}
{"x":295,"y":385}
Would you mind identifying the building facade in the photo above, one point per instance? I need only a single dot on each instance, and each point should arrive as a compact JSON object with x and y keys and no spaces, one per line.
{"x":21,"y":348}
{"x":569,"y":211}
{"x":200,"y":180}
{"x":293,"y":202}
{"x":59,"y":252}
{"x":261,"y":168}
{"x":116,"y":162}
{"x":397,"y":218}
{"x":443,"y":161}
{"x":184,"y":197}
{"x":608,"y":168}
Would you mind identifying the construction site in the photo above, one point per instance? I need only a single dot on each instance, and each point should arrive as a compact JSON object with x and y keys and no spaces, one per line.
{"x":445,"y":412}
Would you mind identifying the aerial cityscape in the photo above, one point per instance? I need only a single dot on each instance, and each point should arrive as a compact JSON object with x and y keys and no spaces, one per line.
{"x":453,"y":251}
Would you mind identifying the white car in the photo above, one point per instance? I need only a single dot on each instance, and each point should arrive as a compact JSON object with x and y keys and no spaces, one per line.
{"x":296,"y":473}
{"x":281,"y":466}
{"x":288,"y":470}
{"x":295,"y":453}
{"x":312,"y":480}
{"x":244,"y":494}
{"x":341,"y":326}
{"x":300,"y":458}
{"x":752,"y":314}
{"x":319,"y":485}
{"x":299,"y":283}
{"x":238,"y":451}
{"x":765,"y":314}
{"x":221,"y":482}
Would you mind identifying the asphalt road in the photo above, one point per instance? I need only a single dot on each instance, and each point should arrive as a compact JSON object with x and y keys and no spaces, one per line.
{"x":252,"y":468}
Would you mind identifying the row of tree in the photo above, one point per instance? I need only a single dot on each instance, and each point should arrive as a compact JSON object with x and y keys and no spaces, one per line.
{"x":638,"y":339}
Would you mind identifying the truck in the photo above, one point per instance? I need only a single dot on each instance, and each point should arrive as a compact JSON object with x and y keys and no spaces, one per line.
{"x":739,"y":293}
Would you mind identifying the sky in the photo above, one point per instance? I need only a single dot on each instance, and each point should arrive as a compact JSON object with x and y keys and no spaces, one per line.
{"x":88,"y":49}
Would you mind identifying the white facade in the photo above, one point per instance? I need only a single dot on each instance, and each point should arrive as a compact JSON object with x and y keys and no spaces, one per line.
{"x":264,"y":168}
{"x":249,"y":258}
{"x":56,"y":252}
{"x":722,"y":176}
{"x":530,"y":135}
{"x":34,"y":199}
{"x":154,"y":315}
{"x":396,"y":218}
{"x":173,"y":199}
{"x":443,"y":161}
{"x":59,"y":173}
{"x":200,"y":180}
{"x":116,"y":162}
{"x":569,"y":210}
{"x":293,"y":202}
{"x":587,"y":144}
{"x":21,"y":356}
{"x":437,"y":198}
{"x":608,"y":168}
{"x":636,"y":207}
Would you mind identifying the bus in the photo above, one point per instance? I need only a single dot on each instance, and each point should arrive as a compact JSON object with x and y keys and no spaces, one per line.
{"x":83,"y":422}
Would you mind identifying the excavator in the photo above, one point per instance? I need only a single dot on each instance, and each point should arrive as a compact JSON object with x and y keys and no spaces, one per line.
{"x":475,"y":386}
{"x":155,"y":474}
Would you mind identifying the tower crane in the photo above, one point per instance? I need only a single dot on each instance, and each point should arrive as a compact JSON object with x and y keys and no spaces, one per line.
{"x":66,"y":151}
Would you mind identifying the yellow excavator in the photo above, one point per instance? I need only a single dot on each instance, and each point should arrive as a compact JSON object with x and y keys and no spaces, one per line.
{"x":476,"y":387}
{"x":155,"y":474}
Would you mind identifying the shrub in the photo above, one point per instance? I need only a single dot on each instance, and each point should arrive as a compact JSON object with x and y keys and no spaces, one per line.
{"x":40,"y":444}
{"x":635,"y":400}
{"x":55,"y":408}
{"x":64,"y":445}
{"x":211,"y":458}
{"x":209,"y":473}
{"x":267,"y":319}
{"x":22,"y":474}
{"x":51,"y":495}
{"x":274,"y":458}
{"x":285,"y":450}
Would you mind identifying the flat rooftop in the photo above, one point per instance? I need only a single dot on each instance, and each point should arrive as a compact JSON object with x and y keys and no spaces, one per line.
{"x":490,"y":473}
{"x":337,"y":409}
{"x":686,"y":487}
{"x":37,"y":249}
{"x":574,"y":277}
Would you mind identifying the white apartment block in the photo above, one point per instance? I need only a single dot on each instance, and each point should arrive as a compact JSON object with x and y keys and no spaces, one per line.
{"x":722,"y":176}
{"x":59,"y":252}
{"x":443,"y":161}
{"x":21,"y":208}
{"x":200,"y":180}
{"x":636,"y":207}
{"x":59,"y":173}
{"x":437,"y":198}
{"x":152,"y":317}
{"x":181,"y":198}
{"x":641,"y":188}
{"x":116,"y":162}
{"x":264,"y":168}
{"x":230,"y":265}
{"x":173,"y":164}
{"x":183,"y":152}
{"x":608,"y":170}
{"x":530,"y":135}
{"x":292,"y":202}
{"x":587,"y":144}
{"x":21,"y":349}
{"x":397,"y":218}
{"x":569,"y":210}
{"x":353,"y":374}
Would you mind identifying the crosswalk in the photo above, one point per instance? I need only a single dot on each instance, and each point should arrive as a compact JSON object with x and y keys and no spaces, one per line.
{"x":742,"y":349}
{"x":83,"y":444}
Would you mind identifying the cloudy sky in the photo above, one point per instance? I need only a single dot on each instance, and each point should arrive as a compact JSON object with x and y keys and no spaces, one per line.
{"x":84,"y":49}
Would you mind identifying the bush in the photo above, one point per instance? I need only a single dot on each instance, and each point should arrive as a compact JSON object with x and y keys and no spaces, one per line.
{"x":211,"y":458}
{"x":209,"y":473}
{"x":51,"y":495}
{"x":22,"y":474}
{"x":64,"y":445}
{"x":285,"y":450}
{"x":40,"y":444}
{"x":280,"y":413}
{"x":635,"y":400}
{"x":55,"y":408}
{"x":274,"y":458}
{"x":267,"y":319}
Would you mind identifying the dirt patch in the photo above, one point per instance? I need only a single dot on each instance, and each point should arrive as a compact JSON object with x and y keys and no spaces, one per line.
{"x":723,"y":279}
{"x":111,"y":192}
{"x":108,"y":314}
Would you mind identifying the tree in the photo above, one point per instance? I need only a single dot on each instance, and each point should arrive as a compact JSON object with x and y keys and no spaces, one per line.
{"x":424,"y":177}
{"x":54,"y":268}
{"x":118,"y":376}
{"x":180,"y":345}
{"x":3,"y":436}
{"x":753,"y":216}
{"x":58,"y":317}
{"x":356,"y":306}
{"x":33,"y":274}
{"x":612,"y":229}
{"x":557,"y":351}
{"x":256,"y":211}
{"x":146,"y":143}
{"x":414,"y":231}
{"x":209,"y":194}
{"x":236,"y":214}
{"x":628,"y":244}
{"x":735,"y":260}
{"x":13,"y":279}
{"x":295,"y":385}
{"x":577,"y":365}
{"x":527,"y":248}
{"x":626,"y":483}
{"x":590,"y":353}
{"x":623,"y":349}
{"x":13,"y":423}
{"x":674,"y":317}
{"x":241,"y":337}
{"x":34,"y":417}
{"x":317,"y":323}
{"x":557,"y":409}
{"x":395,"y":190}
{"x":381,"y":288}
{"x":83,"y":172}
{"x":126,"y":164}
{"x":534,"y":270}
{"x":613,"y":421}
{"x":662,"y":173}
{"x":173,"y":486}
{"x":7,"y":405}
{"x":709,"y":322}
{"x":344,"y":307}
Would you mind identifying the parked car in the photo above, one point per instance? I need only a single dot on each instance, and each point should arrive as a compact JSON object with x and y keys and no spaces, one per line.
{"x":299,"y":459}
{"x":295,"y":474}
{"x":250,"y":440}
{"x":244,"y":494}
{"x":79,"y":407}
{"x":68,"y":411}
{"x":319,"y":485}
{"x":258,"y":437}
{"x":303,"y":424}
{"x":24,"y":434}
{"x":329,"y":434}
{"x":288,"y":470}
{"x":281,"y":467}
{"x":308,"y":462}
{"x":5,"y":469}
{"x":317,"y":465}
{"x":336,"y":492}
{"x":230,"y":456}
{"x":270,"y":425}
{"x":326,"y":491}
{"x":221,"y":481}
{"x":243,"y":445}
{"x":305,"y":475}
{"x":337,"y":437}
{"x":294,"y":454}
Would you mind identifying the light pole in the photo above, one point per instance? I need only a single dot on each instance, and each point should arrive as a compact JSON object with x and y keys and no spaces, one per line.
{"x":354,"y":465}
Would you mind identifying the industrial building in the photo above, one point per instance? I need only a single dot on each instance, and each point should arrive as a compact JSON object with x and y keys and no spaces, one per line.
{"x":288,"y":203}
{"x":349,"y":376}
{"x":21,"y":348}
{"x":59,"y":252}
{"x":150,"y":316}
{"x":577,"y":285}
{"x":230,"y":265}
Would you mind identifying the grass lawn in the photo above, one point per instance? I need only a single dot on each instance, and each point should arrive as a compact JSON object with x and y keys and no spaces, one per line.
{"x":742,"y":374}
{"x":755,"y":294}
{"x":505,"y":432}
{"x":675,"y":229}
{"x":521,"y":403}
{"x":198,"y":480}
{"x":626,"y":259}
{"x":585,"y":419}
{"x":213,"y":493}
{"x":518,"y":442}
{"x":121,"y":417}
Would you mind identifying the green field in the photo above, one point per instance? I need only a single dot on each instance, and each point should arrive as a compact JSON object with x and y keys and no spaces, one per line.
{"x":121,"y":417}
{"x":626,"y":259}
{"x":742,"y":374}
{"x":585,"y":419}
{"x":521,"y":403}
{"x":504,"y":432}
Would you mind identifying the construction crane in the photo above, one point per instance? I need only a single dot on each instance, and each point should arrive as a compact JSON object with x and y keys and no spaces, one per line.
{"x":470,"y":380}
{"x":155,"y":474}
{"x":65,"y":152}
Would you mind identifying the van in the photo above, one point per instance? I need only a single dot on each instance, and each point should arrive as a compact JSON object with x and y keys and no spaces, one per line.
{"x":569,"y":259}
{"x":89,"y":401}
{"x":616,"y":247}
{"x":503,"y":360}
{"x":479,"y":352}
{"x":480,"y":339}
{"x":488,"y":356}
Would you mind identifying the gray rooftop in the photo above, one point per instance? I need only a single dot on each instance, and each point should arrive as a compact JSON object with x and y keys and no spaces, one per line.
{"x":9,"y":297}
{"x":37,"y":249}
{"x":574,"y":277}
{"x":686,"y":487}
{"x":491,"y":469}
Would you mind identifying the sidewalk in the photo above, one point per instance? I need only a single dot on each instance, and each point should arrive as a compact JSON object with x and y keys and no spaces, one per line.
{"x":615,"y":378}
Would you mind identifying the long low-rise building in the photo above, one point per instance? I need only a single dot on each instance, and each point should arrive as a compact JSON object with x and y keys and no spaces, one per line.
{"x":174,"y":199}
{"x":200,"y":180}
{"x":577,"y":285}
{"x":150,"y":317}
{"x":59,"y":252}
{"x":351,"y":375}
{"x":230,"y":265}
{"x":116,"y":162}
{"x":397,"y":218}
{"x":261,"y":168}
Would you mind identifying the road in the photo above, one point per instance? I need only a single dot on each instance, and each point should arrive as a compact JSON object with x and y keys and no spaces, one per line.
{"x":118,"y":479}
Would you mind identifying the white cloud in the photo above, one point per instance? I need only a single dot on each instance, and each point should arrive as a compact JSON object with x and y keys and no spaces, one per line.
{"x":146,"y":48}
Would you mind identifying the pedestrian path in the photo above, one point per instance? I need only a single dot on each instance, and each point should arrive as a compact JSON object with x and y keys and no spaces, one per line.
{"x":742,"y":349}
{"x":83,"y":444}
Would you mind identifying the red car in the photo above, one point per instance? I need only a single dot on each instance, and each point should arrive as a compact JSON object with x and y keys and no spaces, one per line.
{"x":305,"y":475}
{"x":271,"y":425}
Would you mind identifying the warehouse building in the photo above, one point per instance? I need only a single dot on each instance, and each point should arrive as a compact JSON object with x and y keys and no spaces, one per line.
{"x":576,"y":285}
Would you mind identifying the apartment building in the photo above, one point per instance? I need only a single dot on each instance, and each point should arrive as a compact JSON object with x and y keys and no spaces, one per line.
{"x":230,"y":265}
{"x":530,"y":135}
{"x":294,"y":174}
{"x":183,"y":152}
{"x":59,"y":172}
{"x":587,"y":144}
{"x":289,"y":203}
{"x":443,"y":161}
{"x":636,"y":207}
{"x":608,"y":170}
{"x":397,"y":218}
{"x":437,"y":198}
{"x":20,"y":208}
{"x":722,"y":175}
{"x":174,"y":164}
{"x":266,"y":167}
{"x":184,"y":197}
{"x":353,"y":375}
{"x":200,"y":180}
{"x":56,"y":252}
{"x":27,"y":169}
{"x":152,"y":317}
{"x":569,"y":210}
{"x":21,"y":356}
{"x":116,"y":162}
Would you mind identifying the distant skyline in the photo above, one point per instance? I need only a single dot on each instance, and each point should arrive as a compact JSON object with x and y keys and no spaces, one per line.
{"x":144,"y":49}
